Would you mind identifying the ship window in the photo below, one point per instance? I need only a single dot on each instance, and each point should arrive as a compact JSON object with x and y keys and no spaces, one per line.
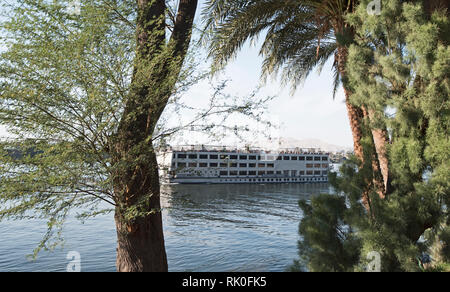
{"x":182,"y":156}
{"x":279,"y":157}
{"x":233,"y":172}
{"x":270,"y":172}
{"x":324,"y":165}
{"x":213,"y":156}
{"x":224,"y":165}
{"x":302,"y":172}
{"x":252,"y":157}
{"x":242,"y":172}
{"x":301,"y":158}
{"x":224,"y":157}
{"x":233,"y":157}
{"x":252,"y":165}
{"x":286,"y":158}
{"x":243,"y":157}
{"x":203,"y":164}
{"x":294,"y":157}
{"x":252,"y":173}
{"x":242,"y":164}
{"x":224,"y":173}
{"x":324,"y":158}
{"x":213,"y":165}
{"x":233,"y":164}
{"x":278,"y":171}
{"x":324,"y":172}
{"x":309,"y":172}
{"x":259,"y":157}
{"x":181,"y":164}
{"x":203,"y":156}
{"x":261,"y":172}
{"x":309,"y":165}
{"x":261,"y":165}
{"x":309,"y":158}
{"x":270,"y":165}
{"x":192,"y":164}
{"x":193,"y":156}
{"x":317,"y":158}
{"x":317,"y":172}
{"x":317,"y":165}
{"x":270,"y":158}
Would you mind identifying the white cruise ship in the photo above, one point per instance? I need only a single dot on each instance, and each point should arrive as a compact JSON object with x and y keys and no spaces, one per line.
{"x":225,"y":165}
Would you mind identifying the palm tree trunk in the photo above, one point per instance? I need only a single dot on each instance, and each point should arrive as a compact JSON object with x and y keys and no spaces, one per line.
{"x":381,"y":140}
{"x":357,"y":115}
{"x":379,"y":158}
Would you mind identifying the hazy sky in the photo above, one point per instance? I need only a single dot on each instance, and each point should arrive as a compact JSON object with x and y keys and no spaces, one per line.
{"x":311,"y":113}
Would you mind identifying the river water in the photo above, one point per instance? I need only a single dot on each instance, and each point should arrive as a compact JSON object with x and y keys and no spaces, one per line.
{"x":212,"y":228}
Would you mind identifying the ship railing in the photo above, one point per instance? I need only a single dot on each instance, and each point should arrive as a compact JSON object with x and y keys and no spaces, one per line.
{"x":247,"y":150}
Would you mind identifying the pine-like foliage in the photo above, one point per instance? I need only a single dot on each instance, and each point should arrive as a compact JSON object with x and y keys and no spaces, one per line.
{"x":399,"y":69}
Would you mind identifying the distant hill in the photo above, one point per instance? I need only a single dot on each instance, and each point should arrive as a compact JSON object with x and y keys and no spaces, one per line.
{"x":288,"y":142}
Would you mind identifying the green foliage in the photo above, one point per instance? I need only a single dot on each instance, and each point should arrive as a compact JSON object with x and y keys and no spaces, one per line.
{"x":398,"y":68}
{"x":328,"y":243}
{"x":299,"y":36}
{"x":69,"y":83}
{"x":63,"y":79}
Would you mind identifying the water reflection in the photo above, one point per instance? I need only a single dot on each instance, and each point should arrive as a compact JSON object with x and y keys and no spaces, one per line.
{"x":233,"y":227}
{"x":207,"y":228}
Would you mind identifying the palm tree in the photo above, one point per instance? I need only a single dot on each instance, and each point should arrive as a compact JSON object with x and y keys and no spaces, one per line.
{"x":300,"y":35}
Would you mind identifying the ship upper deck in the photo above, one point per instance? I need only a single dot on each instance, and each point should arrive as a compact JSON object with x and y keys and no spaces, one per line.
{"x":245,"y":150}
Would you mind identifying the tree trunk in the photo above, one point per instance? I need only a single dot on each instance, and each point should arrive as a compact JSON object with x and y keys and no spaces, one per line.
{"x":381,"y":140}
{"x":356,"y":116}
{"x":355,"y":113}
{"x":138,"y":217}
{"x":140,"y":240}
{"x":140,"y":246}
{"x":378,"y":156}
{"x":136,"y":178}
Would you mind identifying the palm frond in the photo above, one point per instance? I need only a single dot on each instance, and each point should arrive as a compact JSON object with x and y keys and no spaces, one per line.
{"x":299,"y":35}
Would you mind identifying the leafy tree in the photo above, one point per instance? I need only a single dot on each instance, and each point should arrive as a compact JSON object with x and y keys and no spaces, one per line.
{"x":83,"y":93}
{"x":92,"y":96}
{"x":398,"y":69}
{"x":328,"y":244}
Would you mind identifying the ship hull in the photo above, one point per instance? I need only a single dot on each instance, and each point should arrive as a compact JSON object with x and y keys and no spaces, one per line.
{"x":265,"y":180}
